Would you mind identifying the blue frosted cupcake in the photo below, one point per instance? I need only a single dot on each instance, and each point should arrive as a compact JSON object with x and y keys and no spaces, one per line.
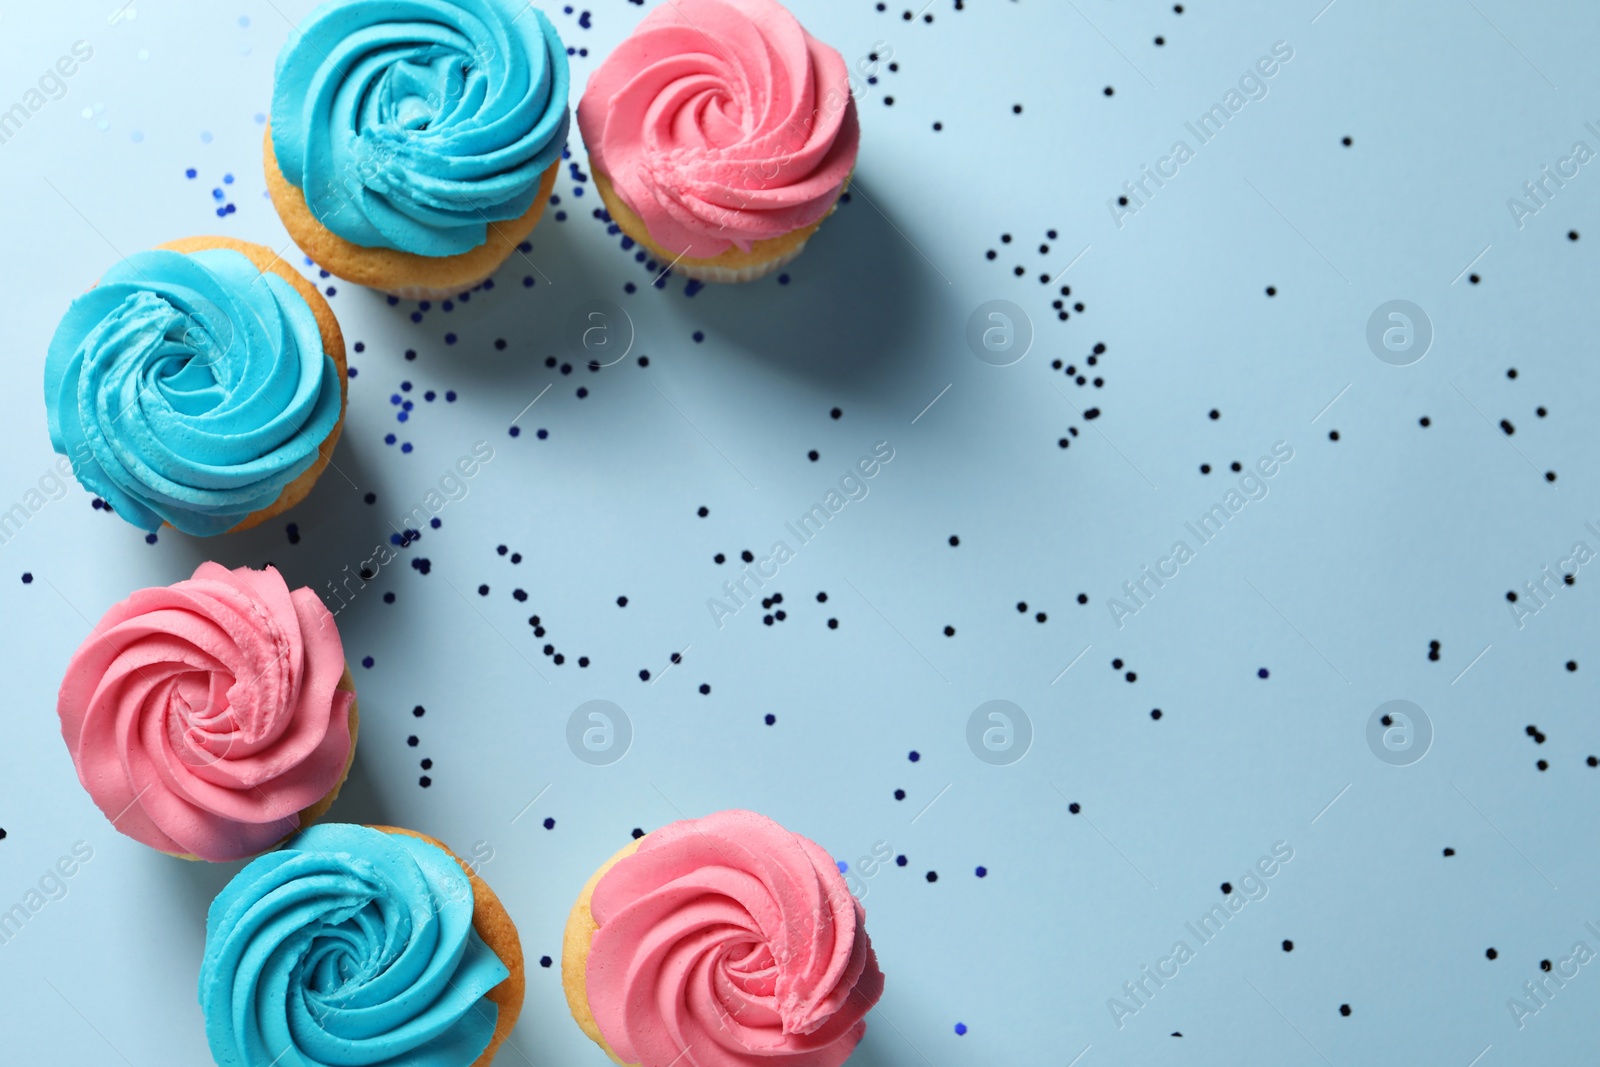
{"x":199,"y":385}
{"x":359,"y":945}
{"x":414,"y":143}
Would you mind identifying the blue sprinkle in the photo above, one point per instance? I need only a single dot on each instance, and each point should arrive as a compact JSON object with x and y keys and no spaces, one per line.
{"x":583,"y":20}
{"x":694,"y":286}
{"x":231,"y":208}
{"x":1262,"y":673}
{"x":190,"y":173}
{"x":360,"y":346}
{"x":351,"y":373}
{"x":429,"y":395}
{"x":577,"y":190}
{"x":843,"y":866}
{"x":450,"y":395}
{"x":982,"y":872}
{"x":407,"y":406}
{"x":402,"y":416}
{"x":582,"y":392}
{"x":405,"y":387}
{"x":389,"y":438}
{"x":394,"y":398}
{"x":388,"y":598}
{"x":366,"y":661}
{"x":393,"y":300}
{"x":527,"y":281}
{"x":914,"y":756}
{"x":516,"y":431}
{"x":227,"y":179}
{"x":549,"y":824}
{"x":961,"y":1028}
{"x":448,"y":305}
{"x":449,"y":338}
{"x":416,"y":316}
{"x":783,"y":279}
{"x":770,"y":718}
{"x":630,"y":288}
{"x":627,"y":242}
{"x":571,"y":51}
{"x":321,"y":273}
{"x":222,"y":212}
{"x":395,"y":539}
{"x":218,"y":194}
{"x":699,"y":336}
{"x":436,"y":522}
{"x":555,"y":198}
{"x":899,"y":861}
{"x":526,"y":246}
{"x":27,"y":577}
{"x":542,"y":434}
{"x":561,"y":216}
{"x":406,"y":447}
{"x":425,"y":305}
{"x":150,"y":539}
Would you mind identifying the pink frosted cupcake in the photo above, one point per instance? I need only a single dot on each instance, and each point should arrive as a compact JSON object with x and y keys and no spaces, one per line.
{"x":213,"y":718}
{"x":720,"y":135}
{"x":726,"y":941}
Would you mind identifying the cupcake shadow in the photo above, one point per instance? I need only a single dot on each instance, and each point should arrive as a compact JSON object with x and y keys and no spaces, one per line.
{"x":332,"y":527}
{"x":861,"y":307}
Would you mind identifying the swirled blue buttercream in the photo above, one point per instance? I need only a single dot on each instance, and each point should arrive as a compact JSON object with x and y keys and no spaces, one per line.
{"x":189,"y":388}
{"x":349,"y":946}
{"x":414,"y":124}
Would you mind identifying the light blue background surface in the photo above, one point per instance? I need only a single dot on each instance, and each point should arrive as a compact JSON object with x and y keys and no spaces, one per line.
{"x":1364,"y":550}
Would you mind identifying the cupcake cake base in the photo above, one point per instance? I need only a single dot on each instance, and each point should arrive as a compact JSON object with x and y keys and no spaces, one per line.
{"x":733,"y":265}
{"x":575,"y":944}
{"x":402,"y":274}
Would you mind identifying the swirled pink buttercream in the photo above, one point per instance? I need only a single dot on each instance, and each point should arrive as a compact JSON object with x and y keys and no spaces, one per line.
{"x":204,"y":716}
{"x":720,"y":123}
{"x":729,"y":941}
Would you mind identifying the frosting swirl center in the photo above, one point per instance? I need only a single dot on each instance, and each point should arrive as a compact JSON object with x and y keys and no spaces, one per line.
{"x":729,"y":941}
{"x":721,"y":123}
{"x":414,"y":124}
{"x":349,"y":946}
{"x":190,"y":389}
{"x":205,"y":716}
